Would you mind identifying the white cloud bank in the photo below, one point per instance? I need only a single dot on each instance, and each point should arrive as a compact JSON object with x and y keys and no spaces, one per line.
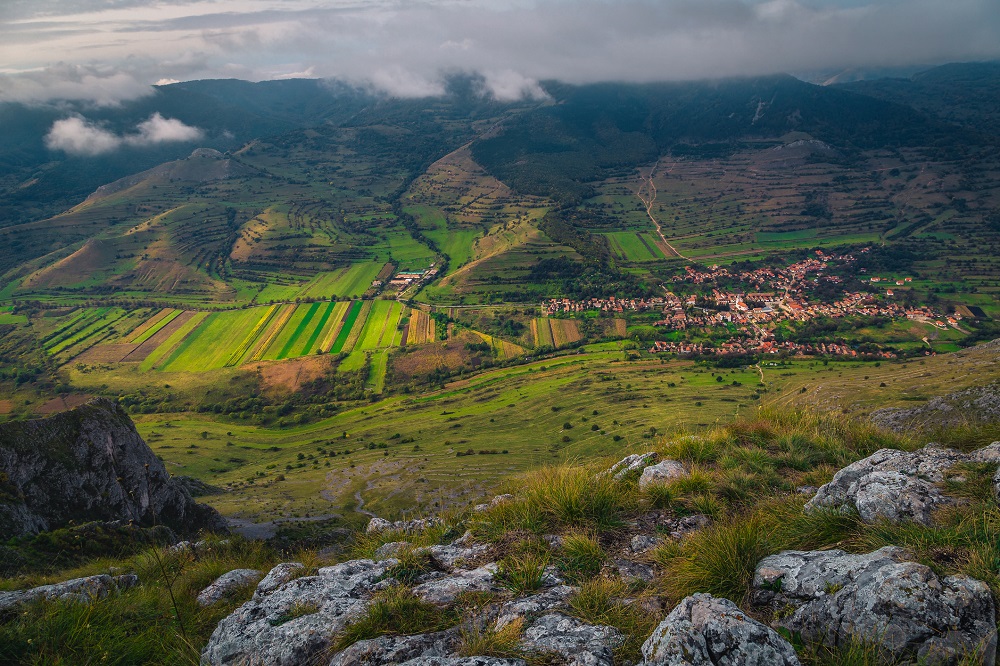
{"x":78,"y":136}
{"x":406,"y":47}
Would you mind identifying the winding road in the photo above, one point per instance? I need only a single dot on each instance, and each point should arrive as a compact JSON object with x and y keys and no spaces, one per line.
{"x":647,"y":182}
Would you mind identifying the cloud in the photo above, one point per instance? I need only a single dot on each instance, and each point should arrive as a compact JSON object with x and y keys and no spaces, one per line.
{"x":158,"y":129}
{"x":78,"y":136}
{"x":510,"y":86}
{"x":405,"y":47}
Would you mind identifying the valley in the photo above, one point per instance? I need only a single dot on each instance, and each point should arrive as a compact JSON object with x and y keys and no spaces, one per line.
{"x":403,"y":306}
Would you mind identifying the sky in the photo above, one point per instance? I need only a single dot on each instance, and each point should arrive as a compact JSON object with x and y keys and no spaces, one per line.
{"x":106,"y":51}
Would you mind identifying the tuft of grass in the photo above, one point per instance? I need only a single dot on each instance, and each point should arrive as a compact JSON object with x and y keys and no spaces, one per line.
{"x":522,"y":573}
{"x":578,"y":497}
{"x":601,"y":601}
{"x":581,"y":556}
{"x":719,"y":559}
{"x":412,"y":564}
{"x":395,"y":611}
{"x":477,"y":641}
{"x":659,"y":496}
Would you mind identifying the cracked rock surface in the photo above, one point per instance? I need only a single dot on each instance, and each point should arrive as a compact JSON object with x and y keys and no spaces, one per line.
{"x":709,"y":631}
{"x":882,"y":596}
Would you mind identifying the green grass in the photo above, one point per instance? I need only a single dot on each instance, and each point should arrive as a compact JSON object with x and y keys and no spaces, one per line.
{"x":349,"y":319}
{"x":299,"y":330}
{"x":371,"y":334}
{"x":171,"y":343}
{"x":396,"y":611}
{"x":155,"y":328}
{"x":310,"y":345}
{"x":357,"y":280}
{"x":213,"y":344}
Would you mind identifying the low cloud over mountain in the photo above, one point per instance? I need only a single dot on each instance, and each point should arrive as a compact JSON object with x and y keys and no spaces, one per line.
{"x":78,"y":136}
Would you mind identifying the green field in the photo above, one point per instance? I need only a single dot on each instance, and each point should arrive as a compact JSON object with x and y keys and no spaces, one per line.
{"x":634,"y":246}
{"x":212,"y":344}
{"x":350,"y":320}
{"x":377,"y":320}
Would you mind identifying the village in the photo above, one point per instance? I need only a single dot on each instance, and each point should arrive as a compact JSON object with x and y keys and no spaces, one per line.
{"x":749,"y":305}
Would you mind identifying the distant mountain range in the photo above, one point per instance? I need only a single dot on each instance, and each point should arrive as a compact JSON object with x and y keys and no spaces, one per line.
{"x":551,"y":147}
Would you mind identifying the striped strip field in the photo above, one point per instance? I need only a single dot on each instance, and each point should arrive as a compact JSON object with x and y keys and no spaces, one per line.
{"x":345,"y":329}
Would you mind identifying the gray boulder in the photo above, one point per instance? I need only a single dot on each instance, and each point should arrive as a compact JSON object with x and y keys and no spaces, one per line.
{"x":83,"y":590}
{"x":631,"y":463}
{"x":293,"y":623}
{"x":226,"y":584}
{"x":444,"y":591}
{"x":391,"y":650}
{"x":452,"y":556}
{"x":703,"y":630}
{"x":528,"y":608}
{"x":902,"y":606}
{"x":278,"y":576}
{"x":579,"y":643}
{"x":89,"y":464}
{"x":662,"y":473}
{"x":890,"y":484}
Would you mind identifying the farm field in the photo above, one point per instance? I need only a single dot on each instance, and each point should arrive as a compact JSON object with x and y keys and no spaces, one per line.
{"x":634,"y":246}
{"x":172,"y":340}
{"x":553,"y":332}
{"x":524,"y":410}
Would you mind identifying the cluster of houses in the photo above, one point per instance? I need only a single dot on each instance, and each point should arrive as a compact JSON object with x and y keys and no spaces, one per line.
{"x":610,"y":304}
{"x":773,"y":295}
{"x":404,"y":279}
{"x":744,"y":346}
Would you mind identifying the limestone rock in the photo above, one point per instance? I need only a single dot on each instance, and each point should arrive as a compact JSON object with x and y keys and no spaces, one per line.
{"x":376,"y":525}
{"x":642,"y":542}
{"x":531,"y":607}
{"x":631,"y":463}
{"x":391,"y":650}
{"x":89,"y":464}
{"x":227,"y":583}
{"x":890,"y":484}
{"x":293,"y":623}
{"x":703,"y":630}
{"x":631,"y":571}
{"x":579,"y":643}
{"x":880,"y":596}
{"x":83,"y":590}
{"x":451,"y":556}
{"x":662,"y":473}
{"x":390,"y":549}
{"x":278,"y":576}
{"x":445,"y":590}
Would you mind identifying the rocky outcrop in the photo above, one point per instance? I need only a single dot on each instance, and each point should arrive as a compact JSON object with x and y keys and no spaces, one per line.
{"x":85,"y":465}
{"x":444,"y":591}
{"x":633,"y":463}
{"x":880,"y":597}
{"x":578,"y":643}
{"x":708,"y":631}
{"x":890,"y":484}
{"x":295,"y":622}
{"x":392,"y":650}
{"x":979,"y":404}
{"x":662,"y":473}
{"x":83,"y":590}
{"x":376,"y":525}
{"x":227,"y":584}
